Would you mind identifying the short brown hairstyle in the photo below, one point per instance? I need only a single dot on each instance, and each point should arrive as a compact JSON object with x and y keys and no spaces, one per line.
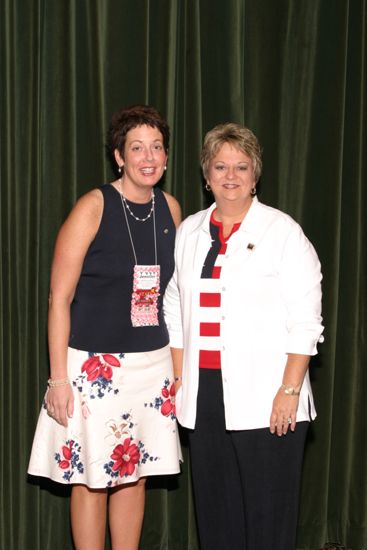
{"x":131,"y":117}
{"x":239,"y":137}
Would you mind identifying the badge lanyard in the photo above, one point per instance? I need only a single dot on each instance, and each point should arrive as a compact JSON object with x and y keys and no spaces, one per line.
{"x":146,"y":280}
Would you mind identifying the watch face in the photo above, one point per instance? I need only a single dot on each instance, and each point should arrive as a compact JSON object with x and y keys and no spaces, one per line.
{"x":289,"y":390}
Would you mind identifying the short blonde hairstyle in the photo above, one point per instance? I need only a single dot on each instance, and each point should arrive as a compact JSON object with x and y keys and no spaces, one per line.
{"x":239,"y":137}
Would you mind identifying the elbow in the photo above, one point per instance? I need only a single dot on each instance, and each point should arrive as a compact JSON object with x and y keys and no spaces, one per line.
{"x":59,"y":300}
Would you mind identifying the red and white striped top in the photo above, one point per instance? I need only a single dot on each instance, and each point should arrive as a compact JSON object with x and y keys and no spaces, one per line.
{"x":210,"y":297}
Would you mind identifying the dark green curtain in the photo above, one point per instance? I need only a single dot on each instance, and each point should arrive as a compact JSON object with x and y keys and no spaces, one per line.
{"x":292,"y":70}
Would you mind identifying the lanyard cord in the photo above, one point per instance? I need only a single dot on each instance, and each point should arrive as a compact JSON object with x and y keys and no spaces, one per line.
{"x":129,"y":230}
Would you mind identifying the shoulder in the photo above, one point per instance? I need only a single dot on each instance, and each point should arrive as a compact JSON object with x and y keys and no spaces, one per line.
{"x":174,"y":208}
{"x":86,"y":214}
{"x":275,"y":217}
{"x":283,"y":230}
{"x":91,"y":202}
{"x":271,"y":212}
{"x":194,"y":222}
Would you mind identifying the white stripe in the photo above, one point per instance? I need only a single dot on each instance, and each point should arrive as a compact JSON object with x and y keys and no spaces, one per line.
{"x":220,"y":260}
{"x":211,"y":343}
{"x":210,"y":314}
{"x":210,"y":285}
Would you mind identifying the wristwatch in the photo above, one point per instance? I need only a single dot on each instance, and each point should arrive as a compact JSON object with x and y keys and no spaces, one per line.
{"x":289,"y":390}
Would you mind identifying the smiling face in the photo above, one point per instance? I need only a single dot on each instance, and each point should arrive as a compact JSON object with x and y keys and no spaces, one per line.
{"x":231,"y":176}
{"x":144,"y":159}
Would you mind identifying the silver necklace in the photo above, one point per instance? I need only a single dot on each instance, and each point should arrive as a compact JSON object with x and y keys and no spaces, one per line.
{"x":131,"y":212}
{"x":125,"y":207}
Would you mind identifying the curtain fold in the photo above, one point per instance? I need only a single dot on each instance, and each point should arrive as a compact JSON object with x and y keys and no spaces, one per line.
{"x":294,"y":72}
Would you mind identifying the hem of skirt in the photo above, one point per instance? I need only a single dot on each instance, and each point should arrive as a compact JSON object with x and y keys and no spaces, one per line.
{"x":119,"y":482}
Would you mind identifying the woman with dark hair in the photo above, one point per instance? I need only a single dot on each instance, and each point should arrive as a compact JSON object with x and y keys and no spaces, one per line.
{"x":108,"y":417}
{"x":244,"y":315}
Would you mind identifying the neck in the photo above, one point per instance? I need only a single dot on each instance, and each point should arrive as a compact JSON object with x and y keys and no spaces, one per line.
{"x":230,"y":213}
{"x":134,"y":193}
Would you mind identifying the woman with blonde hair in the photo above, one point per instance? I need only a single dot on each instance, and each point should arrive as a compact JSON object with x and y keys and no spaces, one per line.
{"x":244,"y":316}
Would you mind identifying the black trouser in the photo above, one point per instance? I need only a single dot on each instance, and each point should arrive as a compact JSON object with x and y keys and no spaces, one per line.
{"x":246,"y":483}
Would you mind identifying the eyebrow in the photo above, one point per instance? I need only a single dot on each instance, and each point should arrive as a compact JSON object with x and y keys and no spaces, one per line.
{"x":240,"y":162}
{"x":157,"y":140}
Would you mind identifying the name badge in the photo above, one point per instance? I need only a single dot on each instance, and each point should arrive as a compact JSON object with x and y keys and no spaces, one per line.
{"x":144,"y":300}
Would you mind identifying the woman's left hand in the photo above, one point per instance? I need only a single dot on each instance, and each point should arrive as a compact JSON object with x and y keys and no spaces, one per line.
{"x":284,"y":413}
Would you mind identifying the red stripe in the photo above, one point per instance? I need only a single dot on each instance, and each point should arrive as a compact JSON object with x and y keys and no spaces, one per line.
{"x":209,"y":329}
{"x":210,"y":299}
{"x":209,"y":359}
{"x":216,"y":272}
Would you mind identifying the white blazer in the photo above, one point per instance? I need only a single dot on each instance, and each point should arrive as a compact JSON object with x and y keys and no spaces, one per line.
{"x":270,"y":306}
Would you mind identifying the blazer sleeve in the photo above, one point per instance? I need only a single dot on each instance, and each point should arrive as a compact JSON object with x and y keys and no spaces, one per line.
{"x":300,"y":279}
{"x":172,"y":303}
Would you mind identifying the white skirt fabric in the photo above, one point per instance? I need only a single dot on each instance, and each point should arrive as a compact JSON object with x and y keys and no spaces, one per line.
{"x":123,"y":426}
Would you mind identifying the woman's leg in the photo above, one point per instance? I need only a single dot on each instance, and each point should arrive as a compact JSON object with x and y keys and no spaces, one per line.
{"x":88,"y":517}
{"x":126,"y":512}
{"x":271,"y":469}
{"x":215,"y":472}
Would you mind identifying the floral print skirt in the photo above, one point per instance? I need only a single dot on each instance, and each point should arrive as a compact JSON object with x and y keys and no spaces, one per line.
{"x":123,"y":426}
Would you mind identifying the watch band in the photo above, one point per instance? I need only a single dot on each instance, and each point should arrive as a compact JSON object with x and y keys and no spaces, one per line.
{"x":289,"y":390}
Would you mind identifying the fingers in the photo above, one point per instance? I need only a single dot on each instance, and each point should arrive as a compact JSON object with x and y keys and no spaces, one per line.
{"x":283,"y":417}
{"x":58,"y":414}
{"x":284,"y":413}
{"x":60,"y":404}
{"x":281,"y":424}
{"x":70,"y":408}
{"x":273,"y":423}
{"x":62,"y":418}
{"x":292,"y":422}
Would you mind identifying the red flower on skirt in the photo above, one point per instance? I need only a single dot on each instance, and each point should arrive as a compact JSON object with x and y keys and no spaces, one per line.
{"x":66,"y":451}
{"x":169,"y":406}
{"x":100,"y":365}
{"x":126,"y":456}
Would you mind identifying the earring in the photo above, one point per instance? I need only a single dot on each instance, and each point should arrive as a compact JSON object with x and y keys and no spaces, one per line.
{"x":207,"y":187}
{"x":119,"y":169}
{"x":165,"y":167}
{"x":253,"y":191}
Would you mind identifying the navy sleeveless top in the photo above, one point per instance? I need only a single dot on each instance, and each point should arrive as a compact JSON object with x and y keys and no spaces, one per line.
{"x":100,"y":311}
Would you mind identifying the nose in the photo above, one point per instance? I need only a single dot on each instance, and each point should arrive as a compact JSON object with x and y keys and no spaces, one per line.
{"x":230,"y":173}
{"x":148,"y":154}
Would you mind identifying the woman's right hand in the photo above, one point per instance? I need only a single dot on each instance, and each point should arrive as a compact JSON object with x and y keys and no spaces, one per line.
{"x":60,"y":403}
